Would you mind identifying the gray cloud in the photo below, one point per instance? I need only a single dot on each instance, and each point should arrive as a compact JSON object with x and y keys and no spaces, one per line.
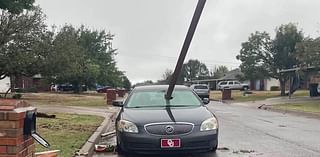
{"x":150,"y":33}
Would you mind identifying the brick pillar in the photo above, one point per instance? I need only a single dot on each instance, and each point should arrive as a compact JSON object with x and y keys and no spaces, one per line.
{"x":12,"y":141}
{"x":111,"y":95}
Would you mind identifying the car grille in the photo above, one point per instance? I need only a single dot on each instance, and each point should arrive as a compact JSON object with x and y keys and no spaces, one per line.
{"x":169,"y":128}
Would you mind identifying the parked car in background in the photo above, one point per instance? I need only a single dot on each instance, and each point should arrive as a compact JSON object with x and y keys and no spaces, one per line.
{"x":103,"y":89}
{"x":65,"y":87}
{"x":233,"y":85}
{"x":202,"y":90}
{"x":319,"y":89}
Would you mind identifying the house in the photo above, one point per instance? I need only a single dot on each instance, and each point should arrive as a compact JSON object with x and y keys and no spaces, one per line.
{"x":235,"y":74}
{"x":28,"y":84}
{"x":35,"y":83}
{"x":4,"y":85}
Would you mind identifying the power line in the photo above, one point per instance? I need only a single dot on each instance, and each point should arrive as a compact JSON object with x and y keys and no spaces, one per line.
{"x":173,"y":59}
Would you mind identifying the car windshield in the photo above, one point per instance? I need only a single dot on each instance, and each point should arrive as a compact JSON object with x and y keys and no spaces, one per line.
{"x":200,"y":87}
{"x":157,"y":99}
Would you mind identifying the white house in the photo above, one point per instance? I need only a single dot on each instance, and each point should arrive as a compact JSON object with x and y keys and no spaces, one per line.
{"x":4,"y":85}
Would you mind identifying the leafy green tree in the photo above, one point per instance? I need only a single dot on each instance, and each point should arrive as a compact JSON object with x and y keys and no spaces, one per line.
{"x":220,"y":71}
{"x":81,"y":56}
{"x":24,"y":41}
{"x":194,"y":69}
{"x":263,"y":57}
{"x":308,"y":52}
{"x":16,"y":6}
{"x":126,"y":83}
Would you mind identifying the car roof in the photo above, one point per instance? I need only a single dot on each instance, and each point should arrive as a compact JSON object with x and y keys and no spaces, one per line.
{"x":159,"y":87}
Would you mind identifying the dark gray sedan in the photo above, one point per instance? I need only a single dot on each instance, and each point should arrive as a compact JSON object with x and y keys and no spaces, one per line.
{"x":148,"y":123}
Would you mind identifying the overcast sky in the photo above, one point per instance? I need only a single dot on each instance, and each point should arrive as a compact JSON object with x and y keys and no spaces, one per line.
{"x":150,"y":33}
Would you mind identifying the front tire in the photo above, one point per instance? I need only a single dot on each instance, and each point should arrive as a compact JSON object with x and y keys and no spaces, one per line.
{"x":214,"y":149}
{"x":120,"y":150}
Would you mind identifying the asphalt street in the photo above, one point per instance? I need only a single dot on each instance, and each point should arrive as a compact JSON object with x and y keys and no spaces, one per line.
{"x":252,"y":132}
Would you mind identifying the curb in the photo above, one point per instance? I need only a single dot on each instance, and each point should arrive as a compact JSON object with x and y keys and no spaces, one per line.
{"x":88,"y":148}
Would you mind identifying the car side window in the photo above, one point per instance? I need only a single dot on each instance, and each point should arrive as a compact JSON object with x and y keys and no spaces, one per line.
{"x":236,"y":82}
{"x":231,"y":83}
{"x":223,"y":83}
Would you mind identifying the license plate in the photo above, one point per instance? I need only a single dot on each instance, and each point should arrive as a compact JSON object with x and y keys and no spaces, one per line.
{"x":170,"y":143}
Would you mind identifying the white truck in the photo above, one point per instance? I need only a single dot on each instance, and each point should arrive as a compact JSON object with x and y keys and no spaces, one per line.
{"x":233,"y":85}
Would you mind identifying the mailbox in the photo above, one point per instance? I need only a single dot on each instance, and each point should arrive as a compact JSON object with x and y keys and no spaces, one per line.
{"x":30,"y":127}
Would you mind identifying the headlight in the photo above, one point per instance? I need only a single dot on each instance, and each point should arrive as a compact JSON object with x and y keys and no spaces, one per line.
{"x":126,"y":126}
{"x":209,"y":124}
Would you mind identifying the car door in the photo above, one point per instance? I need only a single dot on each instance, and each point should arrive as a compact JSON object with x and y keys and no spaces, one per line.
{"x":237,"y":85}
{"x":230,"y":84}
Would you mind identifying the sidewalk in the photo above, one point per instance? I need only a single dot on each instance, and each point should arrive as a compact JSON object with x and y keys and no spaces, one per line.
{"x":268,"y":103}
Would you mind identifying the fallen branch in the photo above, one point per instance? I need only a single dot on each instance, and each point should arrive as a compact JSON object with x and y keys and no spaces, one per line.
{"x":44,"y":115}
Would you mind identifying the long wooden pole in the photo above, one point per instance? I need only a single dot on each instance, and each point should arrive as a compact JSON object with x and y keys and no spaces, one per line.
{"x":185,"y":47}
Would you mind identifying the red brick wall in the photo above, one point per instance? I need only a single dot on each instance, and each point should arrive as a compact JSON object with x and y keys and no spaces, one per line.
{"x":12,"y":141}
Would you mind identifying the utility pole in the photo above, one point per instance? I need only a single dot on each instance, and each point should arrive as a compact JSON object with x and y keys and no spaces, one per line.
{"x":185,"y":47}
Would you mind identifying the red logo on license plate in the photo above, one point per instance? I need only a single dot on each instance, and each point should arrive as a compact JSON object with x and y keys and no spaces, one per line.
{"x":170,"y":143}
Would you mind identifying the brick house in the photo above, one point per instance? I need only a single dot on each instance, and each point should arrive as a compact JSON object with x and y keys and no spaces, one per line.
{"x":29,"y":84}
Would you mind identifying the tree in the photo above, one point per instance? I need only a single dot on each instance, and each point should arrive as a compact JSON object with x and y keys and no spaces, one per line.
{"x":255,"y":56}
{"x":308,"y":52}
{"x":263,"y":57}
{"x":16,"y":6}
{"x":81,"y":56}
{"x":220,"y":71}
{"x":126,"y":83}
{"x":24,"y":41}
{"x":194,"y":69}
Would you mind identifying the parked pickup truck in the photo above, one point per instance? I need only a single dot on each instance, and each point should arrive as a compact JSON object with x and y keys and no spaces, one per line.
{"x":233,"y":85}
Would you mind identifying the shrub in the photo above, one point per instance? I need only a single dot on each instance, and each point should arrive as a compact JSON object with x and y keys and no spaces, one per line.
{"x":274,"y":88}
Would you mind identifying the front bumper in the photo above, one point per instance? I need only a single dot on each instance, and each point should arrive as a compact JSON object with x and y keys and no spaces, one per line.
{"x":145,"y":143}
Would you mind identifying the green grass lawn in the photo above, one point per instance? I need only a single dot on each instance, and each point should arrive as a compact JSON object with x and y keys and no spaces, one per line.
{"x":67,"y":132}
{"x":87,"y":100}
{"x":255,"y":96}
{"x":313,"y":107}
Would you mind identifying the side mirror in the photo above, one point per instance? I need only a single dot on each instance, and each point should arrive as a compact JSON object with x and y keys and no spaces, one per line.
{"x":30,"y":128}
{"x":206,"y":101}
{"x":117,"y":103}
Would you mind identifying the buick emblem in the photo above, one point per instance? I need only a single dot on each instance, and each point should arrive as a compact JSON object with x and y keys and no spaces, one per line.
{"x":169,"y":129}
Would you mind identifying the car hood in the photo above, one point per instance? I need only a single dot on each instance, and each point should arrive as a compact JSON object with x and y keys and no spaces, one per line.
{"x":140,"y":117}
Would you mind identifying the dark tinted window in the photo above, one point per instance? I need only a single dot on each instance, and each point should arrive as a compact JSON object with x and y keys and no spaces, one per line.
{"x":223,"y":83}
